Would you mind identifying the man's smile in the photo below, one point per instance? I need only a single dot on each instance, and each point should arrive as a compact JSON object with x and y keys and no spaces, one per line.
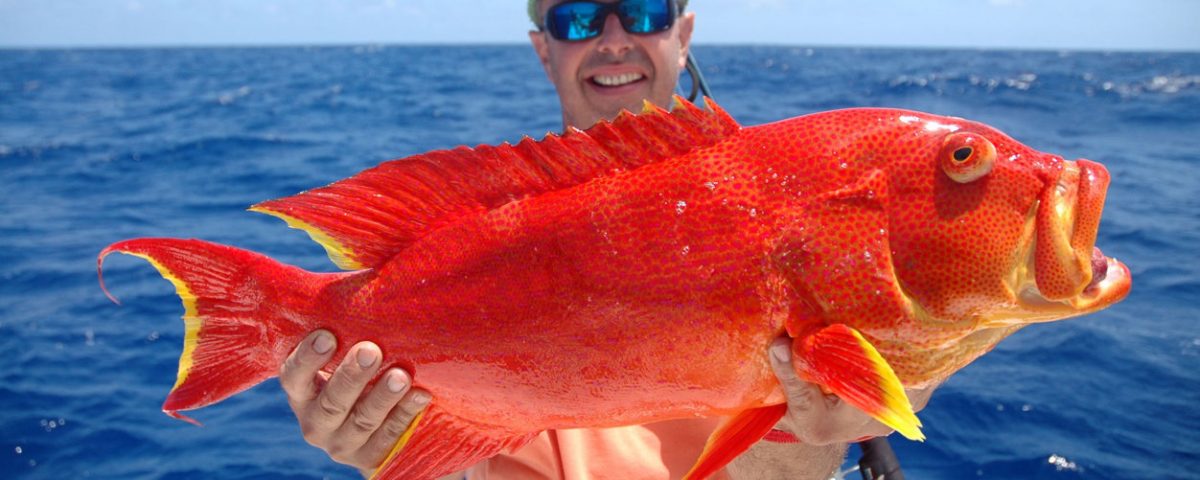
{"x":617,"y":80}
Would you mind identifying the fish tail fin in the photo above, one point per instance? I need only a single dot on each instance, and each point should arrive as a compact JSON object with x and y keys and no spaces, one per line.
{"x":841,"y":361}
{"x":237,"y":329}
{"x":438,"y":443}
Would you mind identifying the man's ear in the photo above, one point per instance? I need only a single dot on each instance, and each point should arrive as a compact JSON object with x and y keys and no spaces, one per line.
{"x":685,"y":23}
{"x":538,"y":39}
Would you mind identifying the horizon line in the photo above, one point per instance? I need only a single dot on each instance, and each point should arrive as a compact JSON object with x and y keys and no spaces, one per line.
{"x":267,"y":45}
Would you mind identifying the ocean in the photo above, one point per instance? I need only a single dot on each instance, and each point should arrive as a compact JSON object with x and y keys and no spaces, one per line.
{"x":102,"y":145}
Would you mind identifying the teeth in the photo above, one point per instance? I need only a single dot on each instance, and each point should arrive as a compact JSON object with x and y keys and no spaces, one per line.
{"x":617,"y":80}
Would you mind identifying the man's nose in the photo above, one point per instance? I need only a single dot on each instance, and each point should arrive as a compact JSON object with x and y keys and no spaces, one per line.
{"x":615,"y":40}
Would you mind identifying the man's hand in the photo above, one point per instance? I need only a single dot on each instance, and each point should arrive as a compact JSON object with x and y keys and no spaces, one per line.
{"x":354,"y":427}
{"x":819,"y":419}
{"x":824,"y":424}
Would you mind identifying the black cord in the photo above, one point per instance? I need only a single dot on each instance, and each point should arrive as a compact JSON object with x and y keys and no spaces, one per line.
{"x":698,"y":83}
{"x":878,"y":461}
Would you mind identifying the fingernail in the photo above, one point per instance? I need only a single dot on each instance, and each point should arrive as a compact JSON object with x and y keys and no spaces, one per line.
{"x":396,"y":382}
{"x":781,"y":352}
{"x":420,"y":398}
{"x":366,"y":357}
{"x":323,"y":343}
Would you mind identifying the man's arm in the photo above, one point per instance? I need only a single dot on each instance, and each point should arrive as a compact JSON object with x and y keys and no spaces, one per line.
{"x":823,"y":423}
{"x":353,"y":427}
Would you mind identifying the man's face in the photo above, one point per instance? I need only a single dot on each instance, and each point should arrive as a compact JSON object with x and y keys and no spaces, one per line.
{"x":598,"y":77}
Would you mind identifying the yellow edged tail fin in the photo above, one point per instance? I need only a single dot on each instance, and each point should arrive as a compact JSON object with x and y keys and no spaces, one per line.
{"x":231,"y":323}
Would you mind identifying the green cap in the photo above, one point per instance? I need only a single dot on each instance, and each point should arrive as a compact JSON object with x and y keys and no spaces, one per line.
{"x":537,"y":22}
{"x":533,"y":14}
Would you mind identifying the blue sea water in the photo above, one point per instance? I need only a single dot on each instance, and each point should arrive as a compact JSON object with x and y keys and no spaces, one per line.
{"x":102,"y":145}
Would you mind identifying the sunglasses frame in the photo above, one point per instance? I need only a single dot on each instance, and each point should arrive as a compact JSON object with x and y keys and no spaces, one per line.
{"x":606,"y":9}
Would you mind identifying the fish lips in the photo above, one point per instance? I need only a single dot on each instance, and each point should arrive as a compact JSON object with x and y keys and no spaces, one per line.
{"x":1067,"y":265}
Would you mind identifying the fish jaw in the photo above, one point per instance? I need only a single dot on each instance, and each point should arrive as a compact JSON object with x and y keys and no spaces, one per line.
{"x":1065,"y":274}
{"x":1032,"y":307}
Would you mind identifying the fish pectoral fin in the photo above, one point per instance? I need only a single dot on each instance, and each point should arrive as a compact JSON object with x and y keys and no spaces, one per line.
{"x":734,"y":437}
{"x":841,"y":361}
{"x":438,"y":443}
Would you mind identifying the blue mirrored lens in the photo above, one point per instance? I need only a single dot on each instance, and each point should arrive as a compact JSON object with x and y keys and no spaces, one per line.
{"x":575,"y":20}
{"x":645,"y":16}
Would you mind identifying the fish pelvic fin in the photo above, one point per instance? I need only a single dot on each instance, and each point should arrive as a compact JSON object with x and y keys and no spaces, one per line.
{"x":841,"y":361}
{"x":438,"y":443}
{"x":364,"y":220}
{"x":733,"y":438}
{"x":237,"y":332}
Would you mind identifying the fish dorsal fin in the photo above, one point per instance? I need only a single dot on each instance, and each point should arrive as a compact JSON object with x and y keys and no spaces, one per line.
{"x":366,"y":219}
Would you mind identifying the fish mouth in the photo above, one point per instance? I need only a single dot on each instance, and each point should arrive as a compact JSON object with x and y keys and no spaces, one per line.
{"x":1068,"y":217}
{"x":1110,"y":283}
{"x":1064,"y":273}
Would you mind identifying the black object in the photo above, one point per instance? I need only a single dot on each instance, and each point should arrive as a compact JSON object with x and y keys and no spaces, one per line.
{"x":698,"y":83}
{"x":878,"y":461}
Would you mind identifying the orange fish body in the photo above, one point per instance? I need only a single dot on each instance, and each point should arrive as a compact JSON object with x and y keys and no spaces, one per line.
{"x":637,"y":272}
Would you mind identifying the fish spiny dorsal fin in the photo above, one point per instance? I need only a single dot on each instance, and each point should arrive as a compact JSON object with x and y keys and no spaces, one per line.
{"x":366,"y":219}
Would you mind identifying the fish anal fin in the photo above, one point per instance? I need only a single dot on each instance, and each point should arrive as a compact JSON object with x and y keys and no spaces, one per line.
{"x":843,"y":362}
{"x":734,"y":437}
{"x":438,"y":443}
{"x":366,"y":219}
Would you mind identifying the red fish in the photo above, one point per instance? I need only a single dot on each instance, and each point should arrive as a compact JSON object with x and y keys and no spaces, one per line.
{"x":637,"y":272}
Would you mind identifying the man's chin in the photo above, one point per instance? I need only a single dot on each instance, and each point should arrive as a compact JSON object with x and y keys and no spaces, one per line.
{"x":612,"y":103}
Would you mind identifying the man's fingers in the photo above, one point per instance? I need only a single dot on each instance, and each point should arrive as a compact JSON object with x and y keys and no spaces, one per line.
{"x":395,"y":425}
{"x":371,"y":411}
{"x":817,"y":418}
{"x":298,"y":373}
{"x":334,"y":403}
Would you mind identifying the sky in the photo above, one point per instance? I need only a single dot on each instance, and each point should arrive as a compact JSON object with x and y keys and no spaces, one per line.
{"x":1031,"y":24}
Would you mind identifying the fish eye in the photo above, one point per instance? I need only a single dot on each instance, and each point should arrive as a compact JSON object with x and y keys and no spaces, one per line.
{"x":962,"y":154}
{"x":966,"y":157}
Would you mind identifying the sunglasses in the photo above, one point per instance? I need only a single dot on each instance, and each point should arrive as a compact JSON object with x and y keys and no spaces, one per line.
{"x":582,"y":20}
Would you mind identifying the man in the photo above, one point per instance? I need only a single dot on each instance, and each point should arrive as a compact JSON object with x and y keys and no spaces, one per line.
{"x":598,"y":69}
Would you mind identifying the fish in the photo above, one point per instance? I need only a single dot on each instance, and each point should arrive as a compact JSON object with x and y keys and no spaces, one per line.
{"x":638,"y":271}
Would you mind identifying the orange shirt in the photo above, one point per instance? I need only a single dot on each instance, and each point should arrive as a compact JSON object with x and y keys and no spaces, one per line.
{"x":664,"y":450}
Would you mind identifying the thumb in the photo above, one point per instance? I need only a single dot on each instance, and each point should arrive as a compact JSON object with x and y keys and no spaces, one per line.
{"x":781,"y":363}
{"x":802,"y":395}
